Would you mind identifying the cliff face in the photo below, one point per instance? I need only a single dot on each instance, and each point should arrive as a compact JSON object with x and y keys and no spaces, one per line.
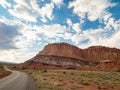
{"x":109,"y":66}
{"x":92,"y":54}
{"x":100,"y":54}
{"x":61,"y":54}
{"x":63,"y":50}
{"x":64,"y":54}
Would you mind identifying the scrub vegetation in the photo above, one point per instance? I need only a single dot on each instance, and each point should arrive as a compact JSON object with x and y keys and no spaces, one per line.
{"x":74,"y":79}
{"x":3,"y":72}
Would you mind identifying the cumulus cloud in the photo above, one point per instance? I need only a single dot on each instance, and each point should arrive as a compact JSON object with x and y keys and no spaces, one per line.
{"x":28,"y":38}
{"x":111,"y":23}
{"x":93,"y":9}
{"x":7,"y":35}
{"x":30,"y":10}
{"x":46,"y":11}
{"x":114,"y":41}
{"x":75,"y":26}
{"x":108,"y":35}
{"x":77,"y":38}
{"x":16,"y":55}
{"x":29,"y":34}
{"x":16,"y":39}
{"x":20,"y":12}
{"x":5,"y":4}
{"x":102,"y":37}
{"x":51,"y":31}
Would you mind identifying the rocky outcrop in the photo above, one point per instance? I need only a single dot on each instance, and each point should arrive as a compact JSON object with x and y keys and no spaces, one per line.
{"x":63,"y":54}
{"x":101,"y":53}
{"x":62,"y":50}
{"x":108,"y":66}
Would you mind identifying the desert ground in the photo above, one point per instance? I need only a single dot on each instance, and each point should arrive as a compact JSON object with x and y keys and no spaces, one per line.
{"x":60,"y":79}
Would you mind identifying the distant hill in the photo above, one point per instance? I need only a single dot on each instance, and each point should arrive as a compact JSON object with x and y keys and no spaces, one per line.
{"x":66,"y":55}
{"x":7,"y":63}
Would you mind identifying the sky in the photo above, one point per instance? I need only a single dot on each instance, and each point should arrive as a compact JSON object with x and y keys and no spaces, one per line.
{"x":26,"y":26}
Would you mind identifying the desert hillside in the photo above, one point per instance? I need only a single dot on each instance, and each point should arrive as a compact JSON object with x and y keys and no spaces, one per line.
{"x":93,"y":54}
{"x":63,"y":54}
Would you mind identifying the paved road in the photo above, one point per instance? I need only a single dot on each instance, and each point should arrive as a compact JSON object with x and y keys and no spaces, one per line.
{"x":17,"y":81}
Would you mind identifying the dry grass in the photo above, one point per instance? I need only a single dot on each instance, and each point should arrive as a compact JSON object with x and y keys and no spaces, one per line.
{"x":74,"y":79}
{"x":3,"y":72}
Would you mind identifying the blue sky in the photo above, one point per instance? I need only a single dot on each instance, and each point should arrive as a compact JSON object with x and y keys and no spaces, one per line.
{"x":26,"y":26}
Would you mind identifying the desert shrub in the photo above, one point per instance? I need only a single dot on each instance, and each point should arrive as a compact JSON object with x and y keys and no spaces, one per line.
{"x":44,"y":70}
{"x":85,"y":82}
{"x":23,"y":68}
{"x":64,"y":72}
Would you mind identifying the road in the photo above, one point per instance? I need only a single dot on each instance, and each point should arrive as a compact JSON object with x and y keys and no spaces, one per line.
{"x":17,"y":81}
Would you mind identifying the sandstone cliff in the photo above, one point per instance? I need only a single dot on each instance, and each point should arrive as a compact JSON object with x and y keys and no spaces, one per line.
{"x":63,"y":54}
{"x":101,"y":53}
{"x":92,"y":54}
{"x":63,"y":50}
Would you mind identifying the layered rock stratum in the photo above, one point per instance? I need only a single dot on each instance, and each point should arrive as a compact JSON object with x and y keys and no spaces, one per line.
{"x":66,"y":55}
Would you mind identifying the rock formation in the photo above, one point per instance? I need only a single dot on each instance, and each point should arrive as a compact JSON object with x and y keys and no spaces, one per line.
{"x":64,"y":55}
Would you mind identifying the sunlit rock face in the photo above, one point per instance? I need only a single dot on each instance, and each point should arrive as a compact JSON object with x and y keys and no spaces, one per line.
{"x":63,"y":50}
{"x":100,"y":53}
{"x":64,"y":54}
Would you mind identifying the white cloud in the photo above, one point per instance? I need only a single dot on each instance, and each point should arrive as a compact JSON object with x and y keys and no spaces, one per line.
{"x":114,"y":41}
{"x":67,"y":35}
{"x":106,"y":17}
{"x":30,"y":36}
{"x":22,"y":32}
{"x":102,"y":37}
{"x":30,"y":10}
{"x":93,"y":9}
{"x":77,"y":38}
{"x":58,"y":3}
{"x":51,"y":31}
{"x":69,"y":22}
{"x":111,"y":23}
{"x":75,"y":26}
{"x":16,"y":56}
{"x":4,"y":3}
{"x":7,"y":34}
{"x":108,"y":35}
{"x":20,"y":12}
{"x":46,"y":11}
{"x":94,"y":35}
{"x":17,"y":38}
